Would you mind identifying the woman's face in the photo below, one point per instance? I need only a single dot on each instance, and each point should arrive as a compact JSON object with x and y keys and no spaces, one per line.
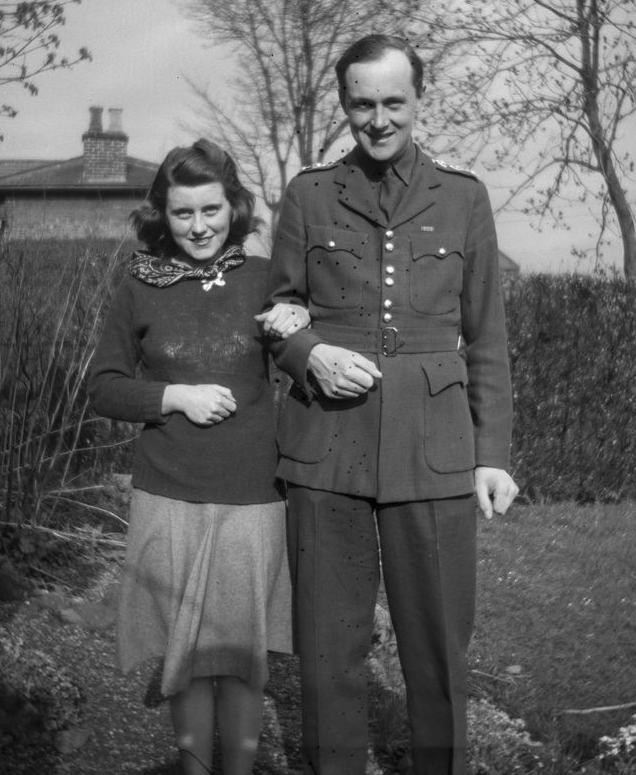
{"x":199,"y":219}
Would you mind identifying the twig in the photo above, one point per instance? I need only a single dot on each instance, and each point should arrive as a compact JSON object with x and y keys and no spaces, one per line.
{"x":90,"y":506}
{"x":72,"y":490}
{"x":72,"y":536}
{"x":46,"y":573}
{"x":606,"y":709}
{"x":503,"y":678}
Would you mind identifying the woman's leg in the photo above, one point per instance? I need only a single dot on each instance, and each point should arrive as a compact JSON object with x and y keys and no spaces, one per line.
{"x":193,"y":720}
{"x":239,"y":716}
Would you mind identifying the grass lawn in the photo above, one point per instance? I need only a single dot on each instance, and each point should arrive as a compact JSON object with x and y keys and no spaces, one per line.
{"x":557,"y":604}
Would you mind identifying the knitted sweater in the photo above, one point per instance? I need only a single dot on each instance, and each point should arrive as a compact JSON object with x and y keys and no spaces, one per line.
{"x":183,"y":334}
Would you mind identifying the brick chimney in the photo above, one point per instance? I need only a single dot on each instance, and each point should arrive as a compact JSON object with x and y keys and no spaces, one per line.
{"x":105,"y":151}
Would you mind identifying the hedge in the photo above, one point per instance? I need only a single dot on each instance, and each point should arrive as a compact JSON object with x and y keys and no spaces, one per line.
{"x":572,"y":341}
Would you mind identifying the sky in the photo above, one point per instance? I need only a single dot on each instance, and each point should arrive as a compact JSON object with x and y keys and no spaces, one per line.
{"x":144,"y":52}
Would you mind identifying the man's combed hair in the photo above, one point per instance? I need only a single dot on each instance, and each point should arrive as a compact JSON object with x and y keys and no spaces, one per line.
{"x":197,"y":165}
{"x":370,"y":49}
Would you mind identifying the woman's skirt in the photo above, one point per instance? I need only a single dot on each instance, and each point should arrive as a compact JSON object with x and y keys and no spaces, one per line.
{"x":205,"y":586}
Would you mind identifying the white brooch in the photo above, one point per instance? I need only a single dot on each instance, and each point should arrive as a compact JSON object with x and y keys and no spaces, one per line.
{"x":218,"y":280}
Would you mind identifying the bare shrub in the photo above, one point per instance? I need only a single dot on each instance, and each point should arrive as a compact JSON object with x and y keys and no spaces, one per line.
{"x":52,"y":296}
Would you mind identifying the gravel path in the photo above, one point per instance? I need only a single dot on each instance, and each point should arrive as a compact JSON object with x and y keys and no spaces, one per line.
{"x":122,"y":729}
{"x":122,"y":726}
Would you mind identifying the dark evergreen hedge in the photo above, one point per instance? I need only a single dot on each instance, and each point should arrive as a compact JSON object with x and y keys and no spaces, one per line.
{"x":572,"y":353}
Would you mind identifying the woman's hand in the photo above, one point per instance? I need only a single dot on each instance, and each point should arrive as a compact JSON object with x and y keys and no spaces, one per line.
{"x":201,"y":404}
{"x":283,"y":320}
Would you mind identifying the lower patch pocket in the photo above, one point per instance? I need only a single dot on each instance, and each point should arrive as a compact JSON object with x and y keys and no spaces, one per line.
{"x":306,"y":430}
{"x":448,"y":429}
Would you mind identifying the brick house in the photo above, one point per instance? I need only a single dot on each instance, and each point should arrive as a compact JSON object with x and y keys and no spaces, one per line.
{"x":87,"y":196}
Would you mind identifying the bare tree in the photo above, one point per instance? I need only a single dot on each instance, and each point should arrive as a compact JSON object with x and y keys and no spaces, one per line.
{"x":283,"y":112}
{"x":29,"y":44}
{"x":546,"y":90}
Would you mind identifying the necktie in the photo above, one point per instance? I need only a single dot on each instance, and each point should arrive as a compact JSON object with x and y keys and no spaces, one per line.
{"x":390,"y":191}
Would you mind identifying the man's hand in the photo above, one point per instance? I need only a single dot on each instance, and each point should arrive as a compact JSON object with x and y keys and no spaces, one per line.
{"x":283,"y":320}
{"x":495,"y":490}
{"x":342,"y":373}
{"x":201,"y":404}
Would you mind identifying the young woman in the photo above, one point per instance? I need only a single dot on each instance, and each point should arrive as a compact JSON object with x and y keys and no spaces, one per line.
{"x":205,"y":582}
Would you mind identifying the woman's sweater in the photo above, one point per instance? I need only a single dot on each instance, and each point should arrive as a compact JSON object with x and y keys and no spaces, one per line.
{"x":184,"y":334}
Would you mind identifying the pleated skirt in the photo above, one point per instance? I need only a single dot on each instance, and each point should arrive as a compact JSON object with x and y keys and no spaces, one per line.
{"x":206,"y":587}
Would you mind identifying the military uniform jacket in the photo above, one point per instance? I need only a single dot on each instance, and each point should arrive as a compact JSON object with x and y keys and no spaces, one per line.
{"x":401,"y":292}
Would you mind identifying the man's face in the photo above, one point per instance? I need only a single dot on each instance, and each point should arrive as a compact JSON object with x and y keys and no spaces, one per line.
{"x":381,"y":105}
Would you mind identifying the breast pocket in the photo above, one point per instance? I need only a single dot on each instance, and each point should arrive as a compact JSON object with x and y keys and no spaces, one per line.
{"x":436,"y":273}
{"x":334,"y":258}
{"x":448,"y":428}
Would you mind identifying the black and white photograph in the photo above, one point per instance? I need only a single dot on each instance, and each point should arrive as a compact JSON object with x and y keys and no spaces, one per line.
{"x":317,"y":387}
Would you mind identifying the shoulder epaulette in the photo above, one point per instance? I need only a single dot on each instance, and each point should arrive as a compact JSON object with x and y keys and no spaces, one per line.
{"x":319,"y":166}
{"x":444,"y":165}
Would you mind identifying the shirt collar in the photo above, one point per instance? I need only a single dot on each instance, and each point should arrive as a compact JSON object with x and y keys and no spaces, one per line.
{"x":403,"y":167}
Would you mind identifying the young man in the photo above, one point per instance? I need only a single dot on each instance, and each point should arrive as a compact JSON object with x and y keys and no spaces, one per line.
{"x":389,"y":432}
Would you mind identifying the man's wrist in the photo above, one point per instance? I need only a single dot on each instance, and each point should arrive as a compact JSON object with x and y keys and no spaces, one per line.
{"x":313,"y":357}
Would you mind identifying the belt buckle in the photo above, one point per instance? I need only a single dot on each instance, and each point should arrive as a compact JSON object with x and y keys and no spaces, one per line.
{"x":389,"y":341}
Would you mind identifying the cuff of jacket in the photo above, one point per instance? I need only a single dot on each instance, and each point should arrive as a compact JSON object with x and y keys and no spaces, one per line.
{"x":291,"y":356}
{"x":491,"y":453}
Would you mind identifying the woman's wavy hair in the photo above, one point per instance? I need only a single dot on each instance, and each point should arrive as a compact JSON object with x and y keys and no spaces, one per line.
{"x":201,"y":163}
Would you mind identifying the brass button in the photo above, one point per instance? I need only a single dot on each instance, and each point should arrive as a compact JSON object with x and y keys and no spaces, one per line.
{"x":387,"y":317}
{"x":390,"y":269}
{"x":388,"y":234}
{"x":389,"y":281}
{"x":387,"y":304}
{"x":332,"y":244}
{"x":389,"y":247}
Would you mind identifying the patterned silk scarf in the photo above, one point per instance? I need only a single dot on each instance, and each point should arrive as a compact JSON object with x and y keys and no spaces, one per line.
{"x":162,"y":272}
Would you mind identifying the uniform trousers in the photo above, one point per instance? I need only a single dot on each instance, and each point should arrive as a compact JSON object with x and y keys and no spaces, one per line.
{"x":427,"y":551}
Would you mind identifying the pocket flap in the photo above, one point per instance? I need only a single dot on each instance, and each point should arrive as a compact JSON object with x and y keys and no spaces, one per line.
{"x":332,"y":240}
{"x":437,"y":245}
{"x":444,"y":369}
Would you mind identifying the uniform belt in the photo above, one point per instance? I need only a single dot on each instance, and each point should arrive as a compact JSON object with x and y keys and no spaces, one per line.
{"x":390,"y":340}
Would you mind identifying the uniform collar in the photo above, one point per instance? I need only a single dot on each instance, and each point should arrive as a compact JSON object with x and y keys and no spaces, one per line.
{"x":402,"y":167}
{"x":357,"y":183}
